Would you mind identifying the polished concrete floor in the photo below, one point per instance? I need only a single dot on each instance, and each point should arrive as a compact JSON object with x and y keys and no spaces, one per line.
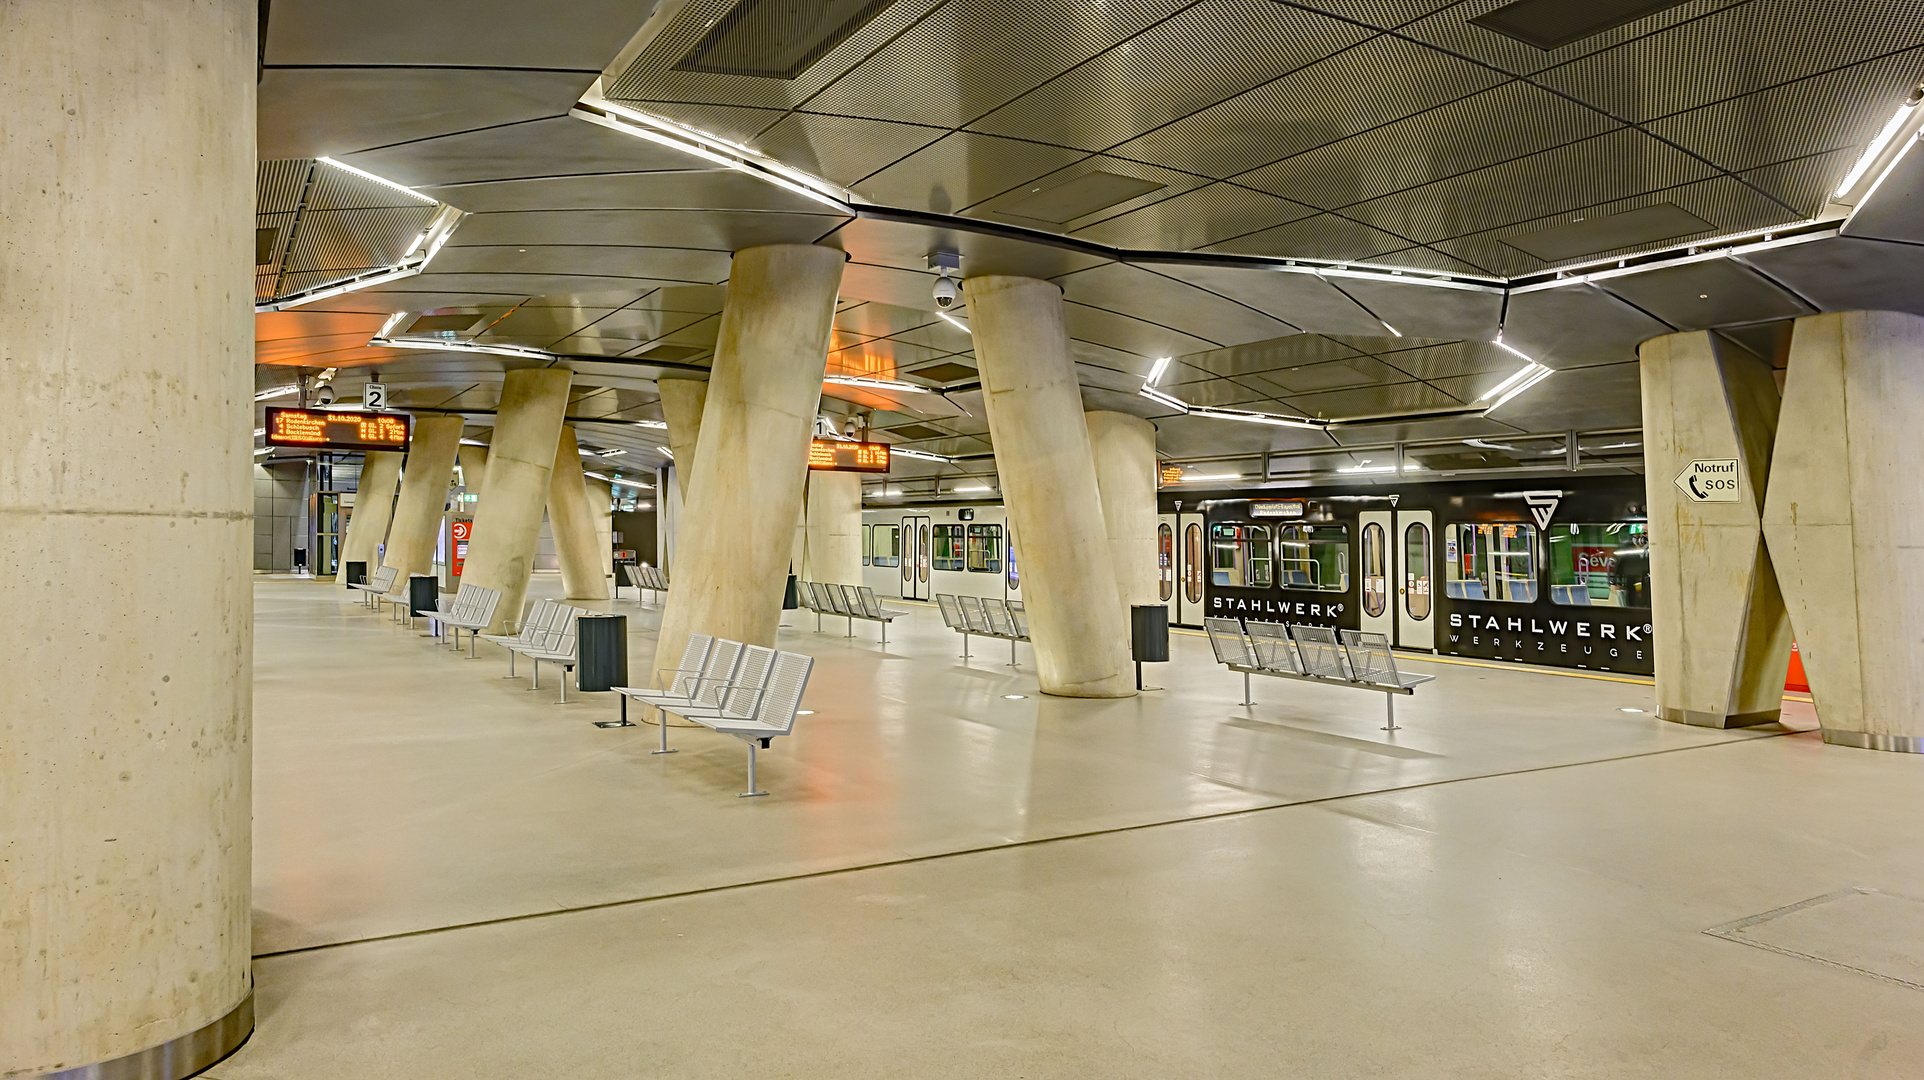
{"x":455,"y":875}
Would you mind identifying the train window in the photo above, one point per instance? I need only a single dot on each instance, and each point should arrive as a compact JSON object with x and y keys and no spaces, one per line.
{"x":948,"y":547}
{"x":1192,"y":558}
{"x":1166,"y":561}
{"x":868,"y":551}
{"x":1376,"y":574}
{"x":1239,"y":556}
{"x":1313,"y":557}
{"x":1605,"y":565}
{"x":985,"y":549}
{"x":1490,"y":562}
{"x":888,"y":545}
{"x":1416,"y":570}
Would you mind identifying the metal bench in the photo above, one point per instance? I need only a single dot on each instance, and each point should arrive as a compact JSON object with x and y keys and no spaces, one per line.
{"x":646,"y":579}
{"x":471,"y":609}
{"x":992,"y":618}
{"x":862,"y":604}
{"x":1311,"y":654}
{"x":758,"y":713}
{"x":706,"y":668}
{"x":379,"y":583}
{"x":539,"y":621}
{"x":557,"y":646}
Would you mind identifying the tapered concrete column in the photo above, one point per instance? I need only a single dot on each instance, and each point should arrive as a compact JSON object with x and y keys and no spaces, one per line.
{"x":373,"y":511}
{"x":424,"y":497}
{"x":682,"y":401}
{"x":1844,"y":526}
{"x":745,"y":491}
{"x":573,"y":522}
{"x":1042,"y":455}
{"x":507,"y":520}
{"x":1124,"y":448}
{"x":474,"y":470}
{"x":126,"y":606}
{"x":601,"y":505}
{"x":834,"y":541}
{"x":1721,"y":639}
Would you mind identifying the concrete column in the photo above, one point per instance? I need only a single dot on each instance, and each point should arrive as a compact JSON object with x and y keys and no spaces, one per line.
{"x":1842,"y":522}
{"x":1124,"y":448}
{"x":126,"y":606}
{"x":1042,"y":455}
{"x":474,"y":470}
{"x":573,"y":522}
{"x":424,"y":496}
{"x":682,"y":401}
{"x":746,"y":488}
{"x":507,"y":520}
{"x":1721,"y":639}
{"x":373,"y":511}
{"x":834,"y":540}
{"x":601,"y":504}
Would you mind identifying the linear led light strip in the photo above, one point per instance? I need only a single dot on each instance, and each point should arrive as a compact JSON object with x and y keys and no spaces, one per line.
{"x":522,"y":351}
{"x":416,"y":260}
{"x":1900,"y":123}
{"x":876,"y":384}
{"x":1529,"y":375}
{"x":597,"y":109}
{"x":921,"y":455}
{"x":618,"y":483}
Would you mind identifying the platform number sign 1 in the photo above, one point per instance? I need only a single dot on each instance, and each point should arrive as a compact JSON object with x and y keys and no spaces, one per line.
{"x":1714,"y":480}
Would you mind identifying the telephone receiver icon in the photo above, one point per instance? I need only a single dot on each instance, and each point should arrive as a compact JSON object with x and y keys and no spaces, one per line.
{"x":1693,"y":488}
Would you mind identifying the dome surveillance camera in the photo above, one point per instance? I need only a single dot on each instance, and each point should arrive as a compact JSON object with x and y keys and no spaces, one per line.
{"x":946,"y":292}
{"x":324,"y":395}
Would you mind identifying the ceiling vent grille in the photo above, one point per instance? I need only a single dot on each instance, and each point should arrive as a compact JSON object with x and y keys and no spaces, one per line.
{"x":777,"y":39}
{"x":1552,"y":24}
{"x":1634,"y":228}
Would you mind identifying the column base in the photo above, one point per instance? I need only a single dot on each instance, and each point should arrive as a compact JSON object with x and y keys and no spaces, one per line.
{"x":1719,"y":720}
{"x":1871,"y":740}
{"x":174,"y":1059}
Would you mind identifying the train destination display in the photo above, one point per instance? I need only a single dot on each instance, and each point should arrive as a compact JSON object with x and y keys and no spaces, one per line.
{"x":314,"y":429}
{"x":834,"y":455}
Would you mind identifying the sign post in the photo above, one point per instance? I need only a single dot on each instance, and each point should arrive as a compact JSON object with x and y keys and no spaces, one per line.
{"x":1711,"y":480}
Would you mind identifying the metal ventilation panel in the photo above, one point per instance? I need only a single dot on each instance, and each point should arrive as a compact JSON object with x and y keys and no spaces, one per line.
{"x":1080,"y":197}
{"x":1552,"y":24}
{"x":1664,"y":221}
{"x":437,"y":324}
{"x":777,"y":39}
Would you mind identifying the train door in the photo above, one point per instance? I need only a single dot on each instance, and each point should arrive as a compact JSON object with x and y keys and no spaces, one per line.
{"x":1187,"y":565}
{"x":1415,"y":553}
{"x":917,"y":544}
{"x":1378,"y":563}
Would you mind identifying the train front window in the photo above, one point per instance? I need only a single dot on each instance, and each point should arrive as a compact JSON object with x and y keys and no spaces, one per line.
{"x":1313,"y":557}
{"x":985,"y":549}
{"x":948,"y":547}
{"x":1490,"y":562}
{"x":1604,"y":565}
{"x":1239,"y":556}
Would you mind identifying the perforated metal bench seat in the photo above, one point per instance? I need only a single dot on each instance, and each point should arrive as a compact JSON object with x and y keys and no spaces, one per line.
{"x":1311,"y":654}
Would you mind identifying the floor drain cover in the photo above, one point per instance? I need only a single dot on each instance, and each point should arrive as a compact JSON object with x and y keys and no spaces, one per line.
{"x":1872,"y":933}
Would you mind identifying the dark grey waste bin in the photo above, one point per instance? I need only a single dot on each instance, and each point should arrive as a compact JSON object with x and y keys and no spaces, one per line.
{"x":791,"y":599}
{"x":356,"y":572}
{"x":601,"y":648}
{"x":424,"y":594}
{"x":1148,"y":638}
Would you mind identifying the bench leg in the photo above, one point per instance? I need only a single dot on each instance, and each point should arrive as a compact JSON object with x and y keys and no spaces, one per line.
{"x":752,"y":791}
{"x":885,"y":634}
{"x":661,"y":715}
{"x":564,"y":683}
{"x":1391,"y":699}
{"x":472,"y":634}
{"x":1247,"y":699}
{"x":537,"y":673}
{"x":1011,"y":652}
{"x":510,"y":673}
{"x":965,"y":644}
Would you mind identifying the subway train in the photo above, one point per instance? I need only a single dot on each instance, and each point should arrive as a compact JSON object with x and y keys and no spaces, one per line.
{"x":1538,"y":571}
{"x":1535,"y":571}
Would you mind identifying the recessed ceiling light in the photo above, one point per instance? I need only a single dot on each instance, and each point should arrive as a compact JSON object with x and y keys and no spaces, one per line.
{"x":804,"y":712}
{"x":1630,"y":710}
{"x":1015,"y":697}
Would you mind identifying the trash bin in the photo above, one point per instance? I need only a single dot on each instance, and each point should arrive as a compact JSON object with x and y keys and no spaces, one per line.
{"x":424,"y":594}
{"x":1148,"y":638}
{"x":791,"y":599}
{"x":601,"y":652}
{"x":356,"y":572}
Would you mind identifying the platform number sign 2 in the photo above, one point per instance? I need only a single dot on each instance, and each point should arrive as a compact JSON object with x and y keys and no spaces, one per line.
{"x":374,"y":396}
{"x":1714,"y":480}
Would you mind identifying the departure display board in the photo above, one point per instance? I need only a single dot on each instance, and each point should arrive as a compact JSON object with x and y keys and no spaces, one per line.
{"x":315,"y":429}
{"x":834,"y":455}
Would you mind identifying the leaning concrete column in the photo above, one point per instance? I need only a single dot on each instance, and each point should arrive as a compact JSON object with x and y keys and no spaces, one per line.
{"x":601,"y":504}
{"x":834,"y":541}
{"x":1842,"y":522}
{"x":126,"y":599}
{"x":373,"y":510}
{"x":1721,"y":639}
{"x":745,"y":491}
{"x":424,"y":496}
{"x":474,"y":470}
{"x":507,"y":520}
{"x":575,"y":534}
{"x":1049,"y":483}
{"x":1124,"y":448}
{"x":681,"y":406}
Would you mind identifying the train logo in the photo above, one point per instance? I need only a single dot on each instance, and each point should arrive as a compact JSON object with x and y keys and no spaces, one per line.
{"x":1543,"y":505}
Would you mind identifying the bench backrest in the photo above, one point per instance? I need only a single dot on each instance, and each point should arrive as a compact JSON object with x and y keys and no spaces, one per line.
{"x":483,"y":612}
{"x":852,"y":599}
{"x":1000,"y":621}
{"x":694,"y":657}
{"x":744,"y":693}
{"x":871,"y":606}
{"x":951,"y":612}
{"x":1226,"y":637}
{"x":837,"y":603}
{"x":1370,"y":659}
{"x":561,"y":634}
{"x":1272,"y":648}
{"x":972,"y":614}
{"x":1019,"y":617}
{"x":633,"y":574}
{"x":782,"y":701}
{"x":383,"y":578}
{"x":805,"y":593}
{"x":1322,"y":655}
{"x":658,"y":578}
{"x":719,"y":672}
{"x":820,"y":592}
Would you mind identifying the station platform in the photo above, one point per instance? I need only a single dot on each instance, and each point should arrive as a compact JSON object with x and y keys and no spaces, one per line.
{"x":456,"y":875}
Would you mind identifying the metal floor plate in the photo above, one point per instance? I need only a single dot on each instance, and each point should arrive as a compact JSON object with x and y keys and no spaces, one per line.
{"x":1863,"y":930}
